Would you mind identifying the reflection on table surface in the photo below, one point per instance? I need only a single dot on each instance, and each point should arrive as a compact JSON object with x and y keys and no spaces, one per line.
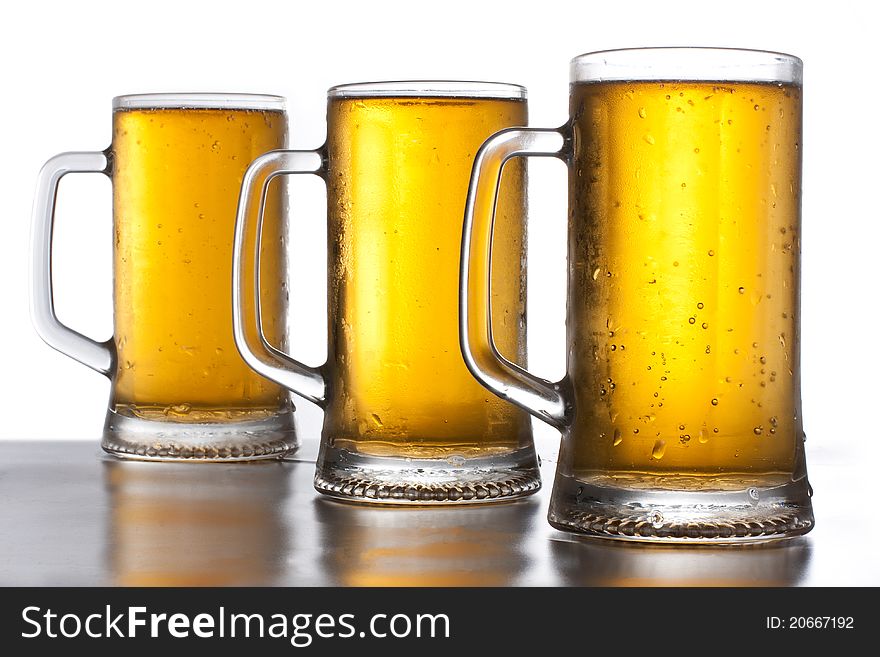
{"x":471,"y":546}
{"x":592,"y":562}
{"x":191,"y":525}
{"x":80,"y":518}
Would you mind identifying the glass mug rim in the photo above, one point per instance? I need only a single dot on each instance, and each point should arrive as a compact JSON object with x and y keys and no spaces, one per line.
{"x":687,"y":63}
{"x":429,"y":89}
{"x":201,"y":100}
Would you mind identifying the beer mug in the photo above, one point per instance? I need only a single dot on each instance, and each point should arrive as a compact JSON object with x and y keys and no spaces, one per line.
{"x":179,"y":388}
{"x":404,"y":422}
{"x":680,"y":412}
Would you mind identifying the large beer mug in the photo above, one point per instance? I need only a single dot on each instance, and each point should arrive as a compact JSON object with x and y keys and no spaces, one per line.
{"x":404,"y":421}
{"x":180,"y":390}
{"x":680,"y":411}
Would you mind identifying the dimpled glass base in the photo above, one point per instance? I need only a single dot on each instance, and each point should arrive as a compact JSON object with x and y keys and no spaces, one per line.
{"x":455,"y":480}
{"x":131,"y":437}
{"x":682,"y":509}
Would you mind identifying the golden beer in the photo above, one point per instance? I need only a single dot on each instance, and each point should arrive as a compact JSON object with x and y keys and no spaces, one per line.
{"x":177,"y":173}
{"x":684,"y":328}
{"x":397,"y":184}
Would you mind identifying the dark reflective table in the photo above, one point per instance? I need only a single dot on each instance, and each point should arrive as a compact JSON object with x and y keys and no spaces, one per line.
{"x":73,"y":516}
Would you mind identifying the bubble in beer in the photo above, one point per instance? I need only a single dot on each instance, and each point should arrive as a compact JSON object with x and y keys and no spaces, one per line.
{"x":714,"y":402}
{"x":618,"y":438}
{"x":643,"y":112}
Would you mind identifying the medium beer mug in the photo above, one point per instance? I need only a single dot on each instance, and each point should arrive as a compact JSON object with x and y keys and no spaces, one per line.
{"x":680,"y":412}
{"x":180,"y":390}
{"x":404,"y":421}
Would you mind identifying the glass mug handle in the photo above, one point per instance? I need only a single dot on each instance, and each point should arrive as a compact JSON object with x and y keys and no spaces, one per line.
{"x":540,"y":397}
{"x":262,"y":357}
{"x":100,"y":356}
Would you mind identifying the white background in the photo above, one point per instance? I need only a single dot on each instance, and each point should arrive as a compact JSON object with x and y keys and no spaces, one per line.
{"x":63,"y":62}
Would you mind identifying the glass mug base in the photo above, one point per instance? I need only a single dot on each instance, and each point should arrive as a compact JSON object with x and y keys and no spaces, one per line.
{"x":684,"y":510}
{"x":130,"y":437}
{"x":455,"y":480}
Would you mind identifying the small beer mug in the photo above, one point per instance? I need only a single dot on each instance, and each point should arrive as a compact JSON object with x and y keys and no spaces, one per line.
{"x":180,"y":389}
{"x":404,"y":421}
{"x":680,"y":411}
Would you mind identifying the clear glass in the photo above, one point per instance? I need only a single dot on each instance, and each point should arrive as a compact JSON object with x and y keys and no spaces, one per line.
{"x":695,"y":64}
{"x":180,"y":390}
{"x":201,"y":100}
{"x":680,"y":411}
{"x":429,"y":89}
{"x":404,"y":421}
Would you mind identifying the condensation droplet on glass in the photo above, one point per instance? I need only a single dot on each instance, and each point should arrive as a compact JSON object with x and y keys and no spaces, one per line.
{"x":656,"y":519}
{"x":659,"y":449}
